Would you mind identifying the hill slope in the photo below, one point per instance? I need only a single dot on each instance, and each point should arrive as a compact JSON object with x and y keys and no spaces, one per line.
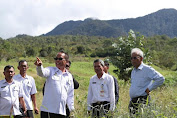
{"x":162,"y":22}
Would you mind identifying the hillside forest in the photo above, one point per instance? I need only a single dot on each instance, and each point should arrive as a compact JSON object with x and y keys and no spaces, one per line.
{"x":161,"y":48}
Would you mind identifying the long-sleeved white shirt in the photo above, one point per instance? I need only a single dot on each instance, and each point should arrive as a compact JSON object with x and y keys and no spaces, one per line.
{"x":9,"y":97}
{"x":59,"y":90}
{"x":29,"y":88}
{"x":101,"y":90}
{"x":142,"y":78}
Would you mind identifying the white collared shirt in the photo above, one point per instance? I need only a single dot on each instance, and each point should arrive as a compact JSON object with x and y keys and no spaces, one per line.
{"x":29,"y":88}
{"x":101,"y":90}
{"x":9,"y":97}
{"x":59,"y":90}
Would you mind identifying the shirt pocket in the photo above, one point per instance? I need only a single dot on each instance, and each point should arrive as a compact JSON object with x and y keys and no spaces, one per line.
{"x":29,"y":86}
{"x":15,"y":91}
{"x":95,"y":87}
{"x":4,"y":92}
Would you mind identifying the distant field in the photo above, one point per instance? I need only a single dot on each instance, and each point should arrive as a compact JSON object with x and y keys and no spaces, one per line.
{"x":164,"y":99}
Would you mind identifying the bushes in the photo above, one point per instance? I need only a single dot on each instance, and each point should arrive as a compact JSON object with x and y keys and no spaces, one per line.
{"x":162,"y":49}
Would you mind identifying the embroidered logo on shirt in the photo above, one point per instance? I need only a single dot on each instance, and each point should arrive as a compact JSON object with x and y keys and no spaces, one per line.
{"x":93,"y":82}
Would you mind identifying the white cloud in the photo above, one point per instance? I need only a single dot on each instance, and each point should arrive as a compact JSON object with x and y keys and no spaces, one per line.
{"x":36,"y":17}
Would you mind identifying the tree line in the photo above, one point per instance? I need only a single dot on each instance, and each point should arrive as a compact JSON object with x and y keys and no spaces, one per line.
{"x":162,"y":50}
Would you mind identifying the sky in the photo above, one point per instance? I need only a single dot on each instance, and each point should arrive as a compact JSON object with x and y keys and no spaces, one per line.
{"x":36,"y":17}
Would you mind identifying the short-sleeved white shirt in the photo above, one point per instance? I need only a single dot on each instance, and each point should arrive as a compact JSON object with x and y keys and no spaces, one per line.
{"x":29,"y":88}
{"x":9,"y":97}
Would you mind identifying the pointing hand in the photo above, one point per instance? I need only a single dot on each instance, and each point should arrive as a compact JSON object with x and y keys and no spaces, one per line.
{"x":38,"y":62}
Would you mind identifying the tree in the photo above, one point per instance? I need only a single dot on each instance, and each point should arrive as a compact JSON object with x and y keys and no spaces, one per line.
{"x":121,"y":60}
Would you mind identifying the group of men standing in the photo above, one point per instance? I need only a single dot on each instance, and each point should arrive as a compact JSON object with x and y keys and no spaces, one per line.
{"x":17,"y":88}
{"x":58,"y":99}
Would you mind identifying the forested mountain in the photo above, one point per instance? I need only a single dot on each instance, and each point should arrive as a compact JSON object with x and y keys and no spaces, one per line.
{"x":162,"y":22}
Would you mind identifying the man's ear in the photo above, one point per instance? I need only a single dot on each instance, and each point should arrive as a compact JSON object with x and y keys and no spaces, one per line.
{"x":141,"y":58}
{"x":18,"y":68}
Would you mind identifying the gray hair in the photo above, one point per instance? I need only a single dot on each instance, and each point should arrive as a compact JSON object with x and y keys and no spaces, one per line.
{"x":137,"y":51}
{"x":100,"y":61}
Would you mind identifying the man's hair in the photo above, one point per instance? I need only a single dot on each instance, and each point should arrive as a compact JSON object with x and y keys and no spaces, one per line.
{"x":66,"y":55}
{"x":100,"y":61}
{"x":8,"y":67}
{"x":106,"y":63}
{"x":69,"y":63}
{"x":137,"y":51}
{"x":21,"y":61}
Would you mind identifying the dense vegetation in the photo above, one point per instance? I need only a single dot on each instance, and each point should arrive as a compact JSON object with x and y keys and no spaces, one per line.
{"x":162,"y":49}
{"x":83,"y":50}
{"x":157,"y":23}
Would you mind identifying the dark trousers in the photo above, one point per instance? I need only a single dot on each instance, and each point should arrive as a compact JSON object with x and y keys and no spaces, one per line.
{"x":96,"y":111}
{"x":29,"y":113}
{"x":17,"y":116}
{"x":51,"y":115}
{"x":138,"y":102}
{"x":67,"y":112}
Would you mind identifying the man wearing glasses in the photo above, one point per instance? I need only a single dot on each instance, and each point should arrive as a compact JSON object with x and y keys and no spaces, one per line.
{"x":59,"y":89}
{"x":143,"y":80}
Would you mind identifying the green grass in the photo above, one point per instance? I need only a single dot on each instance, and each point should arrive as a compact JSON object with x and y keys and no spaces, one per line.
{"x":164,"y":99}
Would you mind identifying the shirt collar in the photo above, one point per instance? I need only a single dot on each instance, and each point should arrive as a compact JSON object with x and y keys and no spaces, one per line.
{"x":60,"y":72}
{"x":26,"y":77}
{"x":5,"y":82}
{"x":103,"y":76}
{"x":141,"y":66}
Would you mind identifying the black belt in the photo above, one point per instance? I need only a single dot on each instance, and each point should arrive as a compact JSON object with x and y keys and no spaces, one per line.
{"x":139,"y":97}
{"x":101,"y":102}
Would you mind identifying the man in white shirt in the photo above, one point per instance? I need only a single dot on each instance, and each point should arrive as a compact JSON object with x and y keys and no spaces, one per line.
{"x":59,"y":88}
{"x":10,"y":94}
{"x":101,"y":90}
{"x":29,"y":88}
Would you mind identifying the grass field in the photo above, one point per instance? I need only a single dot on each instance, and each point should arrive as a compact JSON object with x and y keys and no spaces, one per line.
{"x":163,"y":99}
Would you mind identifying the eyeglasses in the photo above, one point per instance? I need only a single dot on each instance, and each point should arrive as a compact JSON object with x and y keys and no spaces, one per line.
{"x":67,"y":66}
{"x":106,"y":64}
{"x":135,"y":57}
{"x":58,"y":58}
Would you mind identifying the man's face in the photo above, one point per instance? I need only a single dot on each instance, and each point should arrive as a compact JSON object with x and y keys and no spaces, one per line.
{"x":136,"y":60}
{"x":9,"y":73}
{"x":23,"y":67}
{"x":99,"y":69}
{"x":106,"y":67}
{"x":60,"y":61}
{"x":67,"y":65}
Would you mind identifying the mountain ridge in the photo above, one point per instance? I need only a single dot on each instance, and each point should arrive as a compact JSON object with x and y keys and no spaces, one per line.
{"x":161,"y":22}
